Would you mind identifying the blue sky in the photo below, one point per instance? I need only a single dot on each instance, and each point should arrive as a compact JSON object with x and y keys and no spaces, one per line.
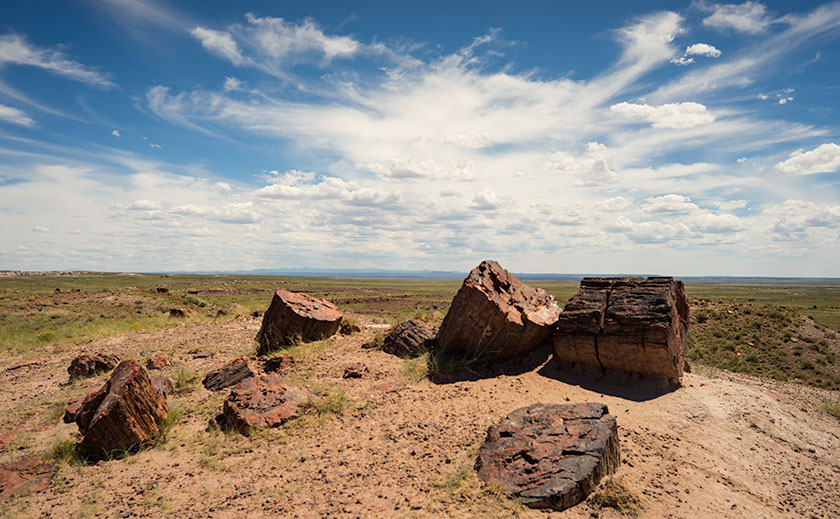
{"x":691,"y":138}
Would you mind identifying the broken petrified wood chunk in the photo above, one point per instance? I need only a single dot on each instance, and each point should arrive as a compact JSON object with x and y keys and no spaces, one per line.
{"x":124,"y":413}
{"x":410,"y":338}
{"x":86,"y":365}
{"x":496,"y":316}
{"x":551,"y":456}
{"x":631,"y":324}
{"x":228,"y":375}
{"x":292,"y":316}
{"x":263,"y":401}
{"x":163,"y":385}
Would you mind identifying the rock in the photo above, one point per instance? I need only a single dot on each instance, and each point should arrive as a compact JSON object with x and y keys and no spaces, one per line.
{"x":293,"y":315}
{"x":391,"y":387}
{"x":550,"y":455}
{"x":279,"y":363}
{"x":349,"y":328}
{"x":263,"y":401}
{"x":24,"y":476}
{"x":631,"y":324}
{"x":157,"y":363}
{"x":355,"y":370}
{"x":410,"y":338}
{"x":162,"y":290}
{"x":23,"y":364}
{"x":495,"y":316}
{"x":178,"y":312}
{"x":163,"y":385}
{"x":86,"y":365}
{"x":196,"y":354}
{"x":72,"y":410}
{"x":217,"y":422}
{"x":123,"y":414}
{"x":228,"y":375}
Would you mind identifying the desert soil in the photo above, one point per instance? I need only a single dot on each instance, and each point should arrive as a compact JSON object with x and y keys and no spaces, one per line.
{"x":722,"y":445}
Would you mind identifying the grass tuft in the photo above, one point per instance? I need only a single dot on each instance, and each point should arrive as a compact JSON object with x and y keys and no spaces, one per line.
{"x":67,"y":452}
{"x":615,"y":493}
{"x":831,"y":407}
{"x":186,"y":381}
{"x":417,"y":369}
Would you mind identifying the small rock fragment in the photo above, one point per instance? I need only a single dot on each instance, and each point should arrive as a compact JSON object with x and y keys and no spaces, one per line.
{"x":228,"y":375}
{"x":355,"y":370}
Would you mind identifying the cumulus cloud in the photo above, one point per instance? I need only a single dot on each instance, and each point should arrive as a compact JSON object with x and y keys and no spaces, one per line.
{"x":615,"y":204}
{"x":672,"y":203}
{"x":40,"y":228}
{"x":16,"y":50}
{"x":15,"y":116}
{"x":116,"y":133}
{"x":750,"y":17}
{"x":671,"y":115}
{"x":588,"y":171}
{"x":825,"y":158}
{"x":702,"y":49}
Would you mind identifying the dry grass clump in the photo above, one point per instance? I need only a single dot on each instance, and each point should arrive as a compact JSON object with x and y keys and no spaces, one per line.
{"x":831,"y":407}
{"x":615,"y":493}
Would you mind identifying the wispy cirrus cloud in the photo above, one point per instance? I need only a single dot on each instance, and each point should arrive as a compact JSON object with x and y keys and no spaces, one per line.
{"x":15,"y":50}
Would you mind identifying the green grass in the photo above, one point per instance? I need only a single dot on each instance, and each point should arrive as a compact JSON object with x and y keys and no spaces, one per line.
{"x":66,"y":452}
{"x":831,"y":407}
{"x":185,"y":381}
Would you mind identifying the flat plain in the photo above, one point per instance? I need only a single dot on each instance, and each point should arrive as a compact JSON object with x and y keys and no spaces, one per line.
{"x":752,"y":432}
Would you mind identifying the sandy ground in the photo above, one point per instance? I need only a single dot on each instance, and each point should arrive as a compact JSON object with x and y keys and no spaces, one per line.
{"x":719,"y":446}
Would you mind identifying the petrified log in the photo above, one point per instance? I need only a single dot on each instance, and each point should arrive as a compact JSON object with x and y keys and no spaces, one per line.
{"x":228,"y":375}
{"x":293,"y":315}
{"x":86,"y":365}
{"x":551,"y":456}
{"x":410,"y":338}
{"x":263,"y":401}
{"x":631,"y":324}
{"x":124,"y":413}
{"x":496,"y":316}
{"x":24,"y":476}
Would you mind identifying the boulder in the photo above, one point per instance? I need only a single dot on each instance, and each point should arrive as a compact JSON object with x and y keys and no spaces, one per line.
{"x":178,"y":312}
{"x":495,"y":316}
{"x":263,"y":401}
{"x":86,"y":365}
{"x":163,"y":385}
{"x":410,"y":338}
{"x":292,"y":316}
{"x":550,"y":455}
{"x":124,"y":413}
{"x":638,"y":325}
{"x":228,"y":375}
{"x":24,"y":476}
{"x":157,"y":363}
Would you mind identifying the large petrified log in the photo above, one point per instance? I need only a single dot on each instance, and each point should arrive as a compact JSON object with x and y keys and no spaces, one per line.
{"x":551,"y":456}
{"x":410,"y":338}
{"x":294,"y":315}
{"x":631,"y":324}
{"x":124,"y":413}
{"x":263,"y":401}
{"x":496,"y":316}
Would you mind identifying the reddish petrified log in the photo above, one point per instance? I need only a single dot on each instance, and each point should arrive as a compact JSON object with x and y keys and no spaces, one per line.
{"x":24,"y":476}
{"x":228,"y":375}
{"x":496,"y":316}
{"x":631,"y":324}
{"x":551,"y":456}
{"x":293,"y":315}
{"x":263,"y":401}
{"x":124,"y":413}
{"x":86,"y":365}
{"x":410,"y":338}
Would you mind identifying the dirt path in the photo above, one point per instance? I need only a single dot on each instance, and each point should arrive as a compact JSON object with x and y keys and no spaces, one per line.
{"x":717,"y":447}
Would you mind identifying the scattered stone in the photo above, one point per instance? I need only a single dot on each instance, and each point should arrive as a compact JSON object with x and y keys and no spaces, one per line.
{"x":551,"y":455}
{"x":178,"y":312}
{"x":228,"y":375}
{"x":86,"y":365}
{"x":279,"y":363}
{"x":23,"y":364}
{"x":196,"y":354}
{"x":355,"y":370}
{"x":123,"y":414}
{"x":221,"y":312}
{"x":410,"y":338}
{"x":24,"y":476}
{"x":217,"y":422}
{"x":72,"y":410}
{"x":162,"y":290}
{"x":631,"y":324}
{"x":496,"y":316}
{"x":163,"y":385}
{"x":349,"y":328}
{"x":263,"y":401}
{"x":294,"y":315}
{"x":157,"y":363}
{"x":391,"y":387}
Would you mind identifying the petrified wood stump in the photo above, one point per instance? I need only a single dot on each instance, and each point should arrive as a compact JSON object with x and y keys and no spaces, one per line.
{"x":410,"y":338}
{"x":263,"y":401}
{"x":551,"y":456}
{"x":631,"y":324}
{"x":496,"y":316}
{"x":294,"y":315}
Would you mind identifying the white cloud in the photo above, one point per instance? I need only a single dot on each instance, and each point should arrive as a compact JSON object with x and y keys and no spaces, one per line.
{"x":671,"y":115}
{"x":715,"y":223}
{"x":682,"y":61}
{"x":702,"y":49}
{"x":763,"y":97}
{"x":279,"y":39}
{"x":825,"y":158}
{"x":233,"y":84}
{"x":741,"y":160}
{"x":116,"y":133}
{"x":40,"y":228}
{"x":486,"y":200}
{"x":588,"y":171}
{"x":16,"y":50}
{"x":156,"y":146}
{"x":615,"y":204}
{"x":672,"y":203}
{"x":15,"y":116}
{"x":785,"y":100}
{"x":220,"y":43}
{"x":223,"y":186}
{"x":749,"y":17}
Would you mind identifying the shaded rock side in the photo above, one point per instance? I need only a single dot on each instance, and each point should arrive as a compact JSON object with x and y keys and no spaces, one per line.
{"x":496,"y":316}
{"x":551,"y":456}
{"x":638,"y":325}
{"x":124,"y":413}
{"x":410,"y":338}
{"x":228,"y":375}
{"x":86,"y":365}
{"x":263,"y":401}
{"x":24,"y":476}
{"x":292,"y":315}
